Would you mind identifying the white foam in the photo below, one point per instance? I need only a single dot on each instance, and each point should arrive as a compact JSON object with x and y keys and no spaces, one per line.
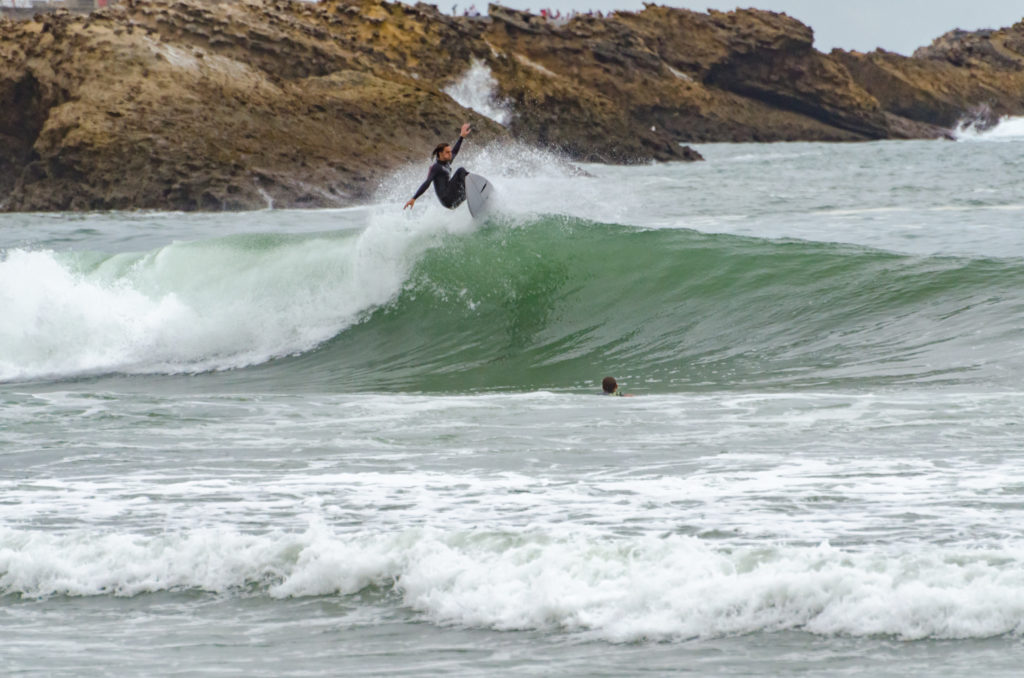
{"x":477,"y":89}
{"x":190,"y":307}
{"x":527,"y":181}
{"x":220,"y":304}
{"x":1007,"y":129}
{"x":622,"y":590}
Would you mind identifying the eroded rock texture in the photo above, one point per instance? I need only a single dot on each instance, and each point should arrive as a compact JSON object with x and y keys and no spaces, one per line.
{"x":188,"y":104}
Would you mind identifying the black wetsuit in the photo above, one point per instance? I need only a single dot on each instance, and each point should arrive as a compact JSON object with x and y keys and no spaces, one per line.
{"x":450,"y":188}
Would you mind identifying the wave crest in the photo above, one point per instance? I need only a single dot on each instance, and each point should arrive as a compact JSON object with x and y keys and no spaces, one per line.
{"x":539,"y":302}
{"x":622,"y":590}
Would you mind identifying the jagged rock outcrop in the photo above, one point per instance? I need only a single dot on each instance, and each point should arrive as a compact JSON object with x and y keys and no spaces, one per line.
{"x":961,"y":75}
{"x":739,"y":76}
{"x":190,"y":104}
{"x":1001,"y":49}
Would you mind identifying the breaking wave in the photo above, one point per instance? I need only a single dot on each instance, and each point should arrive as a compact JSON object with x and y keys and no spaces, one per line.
{"x":622,"y":590}
{"x":535,"y":302}
{"x":1006,"y":129}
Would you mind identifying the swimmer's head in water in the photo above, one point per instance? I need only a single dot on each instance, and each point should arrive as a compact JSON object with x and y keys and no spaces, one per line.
{"x":609,"y":384}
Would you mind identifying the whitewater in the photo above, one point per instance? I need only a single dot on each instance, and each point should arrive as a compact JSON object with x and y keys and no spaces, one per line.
{"x":369,"y":441}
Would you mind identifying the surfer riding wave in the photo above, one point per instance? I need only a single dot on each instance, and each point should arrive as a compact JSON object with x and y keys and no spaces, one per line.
{"x":450,"y":187}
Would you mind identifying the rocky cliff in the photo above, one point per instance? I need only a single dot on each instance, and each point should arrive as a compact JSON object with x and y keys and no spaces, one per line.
{"x":190,"y":104}
{"x":961,"y":76}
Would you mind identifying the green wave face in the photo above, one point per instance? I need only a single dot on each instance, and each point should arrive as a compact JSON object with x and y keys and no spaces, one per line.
{"x":544,"y":303}
{"x":558,"y":304}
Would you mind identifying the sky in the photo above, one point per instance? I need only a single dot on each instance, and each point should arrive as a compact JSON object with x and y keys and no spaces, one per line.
{"x":896,"y":25}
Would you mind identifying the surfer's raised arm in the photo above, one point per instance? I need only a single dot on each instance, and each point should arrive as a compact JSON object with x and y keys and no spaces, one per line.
{"x":450,"y":188}
{"x":463,"y":133}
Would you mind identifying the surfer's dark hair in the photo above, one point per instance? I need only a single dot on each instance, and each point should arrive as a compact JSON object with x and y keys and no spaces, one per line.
{"x":609,"y":384}
{"x":438,"y":149}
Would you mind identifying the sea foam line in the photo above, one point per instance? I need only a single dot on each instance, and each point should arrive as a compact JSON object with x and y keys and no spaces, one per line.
{"x":1007,"y":128}
{"x":620,"y":590}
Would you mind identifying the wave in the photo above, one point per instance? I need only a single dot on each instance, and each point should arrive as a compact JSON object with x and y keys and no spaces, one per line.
{"x":616,"y":589}
{"x":546,"y":302}
{"x":191,"y":307}
{"x":1006,"y":129}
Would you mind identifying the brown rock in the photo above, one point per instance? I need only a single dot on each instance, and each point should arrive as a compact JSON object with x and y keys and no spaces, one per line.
{"x":960,"y":76}
{"x":201,"y":106}
{"x":183,"y":104}
{"x":998,"y":49}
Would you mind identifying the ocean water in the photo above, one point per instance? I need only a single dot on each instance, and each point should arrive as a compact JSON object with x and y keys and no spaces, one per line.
{"x":369,"y":442}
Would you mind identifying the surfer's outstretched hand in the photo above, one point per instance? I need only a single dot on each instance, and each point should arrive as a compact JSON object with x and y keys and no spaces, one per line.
{"x":412,"y":201}
{"x":465,"y":131}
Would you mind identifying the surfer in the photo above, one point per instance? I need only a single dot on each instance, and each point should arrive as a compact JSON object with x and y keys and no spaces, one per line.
{"x":611,"y":387}
{"x":450,"y":188}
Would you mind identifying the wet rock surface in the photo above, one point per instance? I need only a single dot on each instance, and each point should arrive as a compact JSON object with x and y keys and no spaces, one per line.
{"x":182,"y":104}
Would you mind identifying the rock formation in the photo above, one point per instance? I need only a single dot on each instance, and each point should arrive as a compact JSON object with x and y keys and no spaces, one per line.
{"x":199,"y":104}
{"x":189,"y":105}
{"x":960,"y":76}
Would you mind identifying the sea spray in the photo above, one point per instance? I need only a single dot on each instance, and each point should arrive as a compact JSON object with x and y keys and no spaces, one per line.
{"x":530,"y":185}
{"x":1007,"y":128}
{"x":528,"y":180}
{"x":477,"y":90}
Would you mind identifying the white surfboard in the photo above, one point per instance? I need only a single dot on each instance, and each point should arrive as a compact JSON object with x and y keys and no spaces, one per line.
{"x":478,"y":195}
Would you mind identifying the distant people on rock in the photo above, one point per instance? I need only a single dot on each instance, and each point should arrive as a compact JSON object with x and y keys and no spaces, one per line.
{"x":546,"y":13}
